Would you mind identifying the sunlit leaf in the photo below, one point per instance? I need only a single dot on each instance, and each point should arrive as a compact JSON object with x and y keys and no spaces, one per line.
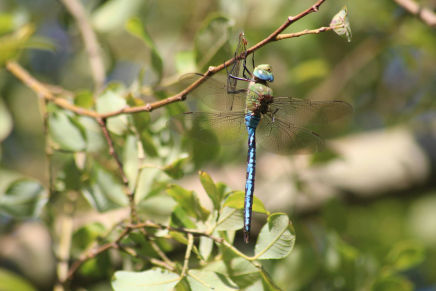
{"x":341,"y":24}
{"x":211,"y":41}
{"x":276,"y":238}
{"x":175,"y":169}
{"x":405,"y":255}
{"x":5,"y":121}
{"x":230,"y":219}
{"x":130,"y":160}
{"x":155,"y":279}
{"x":95,"y":141}
{"x":111,"y":101}
{"x":206,"y":280}
{"x":10,"y":281}
{"x":66,"y":131}
{"x":23,"y":198}
{"x":188,"y":201}
{"x":136,"y":28}
{"x":211,"y":189}
{"x":236,"y":200}
{"x":205,"y":247}
{"x":112,"y":14}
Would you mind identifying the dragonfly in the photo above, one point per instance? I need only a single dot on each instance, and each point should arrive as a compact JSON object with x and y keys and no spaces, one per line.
{"x":277,"y":122}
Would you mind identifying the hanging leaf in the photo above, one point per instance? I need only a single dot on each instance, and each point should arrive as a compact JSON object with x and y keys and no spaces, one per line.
{"x":211,"y":189}
{"x":341,"y":24}
{"x":152,"y":280}
{"x":130,"y":160}
{"x":188,"y":201}
{"x":136,"y":28}
{"x":5,"y":121}
{"x":276,"y":238}
{"x":111,"y":101}
{"x":175,"y":169}
{"x":206,"y":246}
{"x":105,"y":193}
{"x":66,"y":131}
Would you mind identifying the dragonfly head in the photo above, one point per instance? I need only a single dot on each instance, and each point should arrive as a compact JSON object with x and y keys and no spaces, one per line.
{"x":264,"y":73}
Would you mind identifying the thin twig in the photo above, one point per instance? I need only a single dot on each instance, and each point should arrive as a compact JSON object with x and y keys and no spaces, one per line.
{"x":96,"y":251}
{"x":130,"y":194}
{"x":90,"y":40}
{"x":425,"y":14}
{"x":304,"y":32}
{"x":187,"y":254}
{"x":24,"y":76}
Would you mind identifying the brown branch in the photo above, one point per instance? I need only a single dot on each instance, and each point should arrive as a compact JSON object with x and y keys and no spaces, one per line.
{"x":35,"y":85}
{"x":95,"y":252}
{"x":425,"y":14}
{"x":90,"y":40}
{"x":130,"y":194}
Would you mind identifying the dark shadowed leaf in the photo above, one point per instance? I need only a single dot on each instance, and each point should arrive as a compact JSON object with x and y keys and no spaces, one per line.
{"x":188,"y":201}
{"x":23,"y":198}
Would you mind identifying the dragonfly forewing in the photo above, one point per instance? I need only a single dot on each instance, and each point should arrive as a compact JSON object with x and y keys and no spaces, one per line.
{"x":213,"y":93}
{"x":229,"y":127}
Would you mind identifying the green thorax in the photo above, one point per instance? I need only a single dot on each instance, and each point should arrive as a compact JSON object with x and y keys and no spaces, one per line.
{"x":259,"y":96}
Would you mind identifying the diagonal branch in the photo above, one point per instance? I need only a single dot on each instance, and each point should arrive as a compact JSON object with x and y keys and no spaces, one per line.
{"x":425,"y":14}
{"x":24,"y":76}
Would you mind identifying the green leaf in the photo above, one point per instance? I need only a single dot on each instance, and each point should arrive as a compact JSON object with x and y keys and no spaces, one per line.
{"x":392,"y":283}
{"x":67,"y":132}
{"x":155,"y":279}
{"x":206,"y":246}
{"x":188,"y":201}
{"x":95,"y":141}
{"x":99,"y":267}
{"x":105,"y":193}
{"x":341,"y":24}
{"x":84,"y":99}
{"x":111,"y":101}
{"x":206,"y":280}
{"x":211,"y":189}
{"x":5,"y":121}
{"x":175,"y":169}
{"x":211,"y":41}
{"x":230,"y":219}
{"x":136,"y":28}
{"x":23,"y":198}
{"x":236,"y":200}
{"x":405,"y":255}
{"x":11,"y":282}
{"x":185,"y":62}
{"x":243,"y":272}
{"x":130,"y":160}
{"x":114,"y":13}
{"x":86,"y":235}
{"x":148,"y":144}
{"x":180,"y":218}
{"x":276,"y":238}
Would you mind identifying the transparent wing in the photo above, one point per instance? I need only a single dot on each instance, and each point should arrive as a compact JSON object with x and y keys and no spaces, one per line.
{"x":282,"y":137}
{"x":214,"y":94}
{"x":229,"y":127}
{"x":235,"y":69}
{"x":300,"y":112}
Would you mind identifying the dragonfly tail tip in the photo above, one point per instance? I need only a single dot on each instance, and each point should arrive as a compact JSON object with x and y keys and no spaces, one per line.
{"x":246,"y":236}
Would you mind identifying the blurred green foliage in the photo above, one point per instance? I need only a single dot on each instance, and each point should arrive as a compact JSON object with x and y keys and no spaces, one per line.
{"x":385,"y":244}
